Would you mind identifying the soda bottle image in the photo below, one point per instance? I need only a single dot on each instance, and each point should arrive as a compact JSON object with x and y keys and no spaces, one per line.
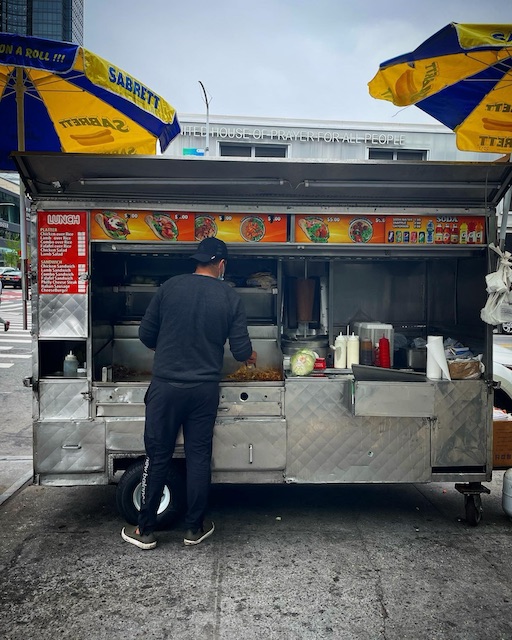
{"x":447,"y":232}
{"x":471,"y":233}
{"x":454,"y":237}
{"x":479,"y":233}
{"x":421,"y":237}
{"x":463,"y":233}
{"x":414,"y":236}
{"x":398,"y":236}
{"x":438,"y":238}
{"x":406,"y":236}
{"x":391,"y":236}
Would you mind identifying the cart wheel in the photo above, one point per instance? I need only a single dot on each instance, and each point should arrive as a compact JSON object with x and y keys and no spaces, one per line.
{"x":128,"y":496}
{"x":473,"y":504}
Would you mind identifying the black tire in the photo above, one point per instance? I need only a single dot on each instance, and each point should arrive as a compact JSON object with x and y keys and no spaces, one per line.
{"x":473,"y":504}
{"x":173,"y":497}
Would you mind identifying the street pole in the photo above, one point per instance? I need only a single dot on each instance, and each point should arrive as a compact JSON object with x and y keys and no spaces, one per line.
{"x":20,"y":119}
{"x":207,"y":103}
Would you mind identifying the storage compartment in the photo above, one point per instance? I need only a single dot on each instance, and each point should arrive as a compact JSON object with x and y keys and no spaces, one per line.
{"x":250,"y":445}
{"x":69,"y":447}
{"x":394,"y":399}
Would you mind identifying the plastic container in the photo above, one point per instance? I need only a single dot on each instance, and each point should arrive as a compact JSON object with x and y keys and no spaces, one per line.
{"x":374,"y":331}
{"x":506,"y":496}
{"x":340,"y":352}
{"x":70,"y":368}
{"x":352,"y":350}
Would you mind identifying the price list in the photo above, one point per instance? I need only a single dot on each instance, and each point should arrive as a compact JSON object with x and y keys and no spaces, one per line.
{"x":62,"y":237}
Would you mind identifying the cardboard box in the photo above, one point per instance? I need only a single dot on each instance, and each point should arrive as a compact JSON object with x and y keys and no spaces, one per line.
{"x":502,"y":444}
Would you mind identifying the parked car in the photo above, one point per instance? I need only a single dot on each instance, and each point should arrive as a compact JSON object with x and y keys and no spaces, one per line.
{"x":11,"y":278}
{"x":6,"y":269}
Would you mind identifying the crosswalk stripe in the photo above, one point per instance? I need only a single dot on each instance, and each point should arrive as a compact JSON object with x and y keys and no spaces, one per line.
{"x":6,"y":365}
{"x":15,"y":355}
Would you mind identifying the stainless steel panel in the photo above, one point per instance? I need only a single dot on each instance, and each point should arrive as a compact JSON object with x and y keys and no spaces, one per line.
{"x":119,"y":400}
{"x":120,"y":393}
{"x":249,"y":445}
{"x":62,"y":316}
{"x":127,"y":435}
{"x":251,"y":401}
{"x":63,"y":399}
{"x":326,"y":443}
{"x":125,"y":409}
{"x":461,"y":434}
{"x":69,"y":447}
{"x":399,"y":399}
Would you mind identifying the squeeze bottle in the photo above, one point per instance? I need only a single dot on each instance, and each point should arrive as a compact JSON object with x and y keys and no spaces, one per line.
{"x":352,"y":350}
{"x":70,"y":366}
{"x":340,"y":352}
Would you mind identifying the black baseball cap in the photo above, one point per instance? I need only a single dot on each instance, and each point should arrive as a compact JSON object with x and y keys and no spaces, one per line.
{"x":210,"y":250}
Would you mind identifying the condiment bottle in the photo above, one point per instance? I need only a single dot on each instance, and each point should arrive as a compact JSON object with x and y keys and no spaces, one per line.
{"x":366,"y":356}
{"x":340,"y":352}
{"x":384,"y":354}
{"x":70,"y":366}
{"x":352,"y":350}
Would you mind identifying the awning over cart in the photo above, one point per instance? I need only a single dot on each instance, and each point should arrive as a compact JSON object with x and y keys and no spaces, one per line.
{"x":71,"y":177}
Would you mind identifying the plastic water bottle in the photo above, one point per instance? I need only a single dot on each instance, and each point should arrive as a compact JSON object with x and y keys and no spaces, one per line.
{"x":70,"y":365}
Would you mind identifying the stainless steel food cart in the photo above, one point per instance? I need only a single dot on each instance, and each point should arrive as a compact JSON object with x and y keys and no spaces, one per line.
{"x":327,"y":427}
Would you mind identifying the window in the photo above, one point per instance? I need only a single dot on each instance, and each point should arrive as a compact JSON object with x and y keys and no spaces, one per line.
{"x":253,"y":150}
{"x":392,"y":154}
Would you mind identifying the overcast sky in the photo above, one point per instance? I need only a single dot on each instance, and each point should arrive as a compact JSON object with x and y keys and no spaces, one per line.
{"x":273,"y":58}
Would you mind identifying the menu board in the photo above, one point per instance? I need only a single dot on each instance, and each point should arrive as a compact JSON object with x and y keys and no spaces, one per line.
{"x":135,"y":226}
{"x":241,"y":227}
{"x":63,"y":255}
{"x":390,"y":229}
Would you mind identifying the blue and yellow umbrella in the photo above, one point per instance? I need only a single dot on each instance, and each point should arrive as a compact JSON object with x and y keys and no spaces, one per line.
{"x":57,"y":96}
{"x":462,"y":76}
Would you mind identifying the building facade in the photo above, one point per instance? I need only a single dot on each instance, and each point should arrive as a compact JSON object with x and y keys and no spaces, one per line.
{"x":53,"y":19}
{"x":237,"y":136}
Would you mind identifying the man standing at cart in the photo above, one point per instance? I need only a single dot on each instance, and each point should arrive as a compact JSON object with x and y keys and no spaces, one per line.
{"x":187,"y":324}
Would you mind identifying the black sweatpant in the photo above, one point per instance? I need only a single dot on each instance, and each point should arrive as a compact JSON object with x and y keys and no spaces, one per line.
{"x":167,"y":408}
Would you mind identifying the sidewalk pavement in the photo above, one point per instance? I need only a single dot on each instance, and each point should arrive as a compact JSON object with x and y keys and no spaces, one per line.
{"x":15,"y":473}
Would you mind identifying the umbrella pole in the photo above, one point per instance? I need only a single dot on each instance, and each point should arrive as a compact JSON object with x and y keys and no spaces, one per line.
{"x":20,"y":124}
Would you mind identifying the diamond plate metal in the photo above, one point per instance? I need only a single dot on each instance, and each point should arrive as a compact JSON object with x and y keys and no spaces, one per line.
{"x":327,"y":444}
{"x":69,"y":447}
{"x":461,"y":434}
{"x":249,"y":444}
{"x":63,"y":399}
{"x":62,"y":315}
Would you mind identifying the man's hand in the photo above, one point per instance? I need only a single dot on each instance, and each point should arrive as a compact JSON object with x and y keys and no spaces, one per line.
{"x":252,"y":359}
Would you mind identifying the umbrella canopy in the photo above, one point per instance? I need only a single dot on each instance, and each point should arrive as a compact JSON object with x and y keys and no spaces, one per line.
{"x":462,"y":76}
{"x":57,"y":96}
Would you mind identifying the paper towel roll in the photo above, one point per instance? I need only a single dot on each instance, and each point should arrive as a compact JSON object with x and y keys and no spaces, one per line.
{"x":437,"y":366}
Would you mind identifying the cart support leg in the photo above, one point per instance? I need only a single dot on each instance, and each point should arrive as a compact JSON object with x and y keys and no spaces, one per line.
{"x":472,"y":492}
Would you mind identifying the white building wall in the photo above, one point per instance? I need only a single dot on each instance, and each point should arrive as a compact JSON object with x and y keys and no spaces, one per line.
{"x":315,"y":139}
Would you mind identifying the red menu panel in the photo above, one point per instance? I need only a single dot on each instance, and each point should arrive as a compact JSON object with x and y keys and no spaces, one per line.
{"x":63,"y":253}
{"x":241,"y":227}
{"x":133,"y":226}
{"x":390,"y":229}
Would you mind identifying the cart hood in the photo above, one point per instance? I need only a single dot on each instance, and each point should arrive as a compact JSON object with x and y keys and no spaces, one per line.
{"x":84,"y":177}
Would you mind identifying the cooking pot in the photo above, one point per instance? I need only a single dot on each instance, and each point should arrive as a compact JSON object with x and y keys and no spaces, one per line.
{"x":318,"y":344}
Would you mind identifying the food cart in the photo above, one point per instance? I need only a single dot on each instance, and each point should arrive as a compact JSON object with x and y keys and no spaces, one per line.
{"x":402,"y":244}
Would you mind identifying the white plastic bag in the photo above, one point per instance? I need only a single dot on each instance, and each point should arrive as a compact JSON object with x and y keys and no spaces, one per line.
{"x":498,"y":308}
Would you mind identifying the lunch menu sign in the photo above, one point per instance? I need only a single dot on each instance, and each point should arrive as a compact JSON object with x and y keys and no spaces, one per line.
{"x":389,"y":229}
{"x":63,"y":253}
